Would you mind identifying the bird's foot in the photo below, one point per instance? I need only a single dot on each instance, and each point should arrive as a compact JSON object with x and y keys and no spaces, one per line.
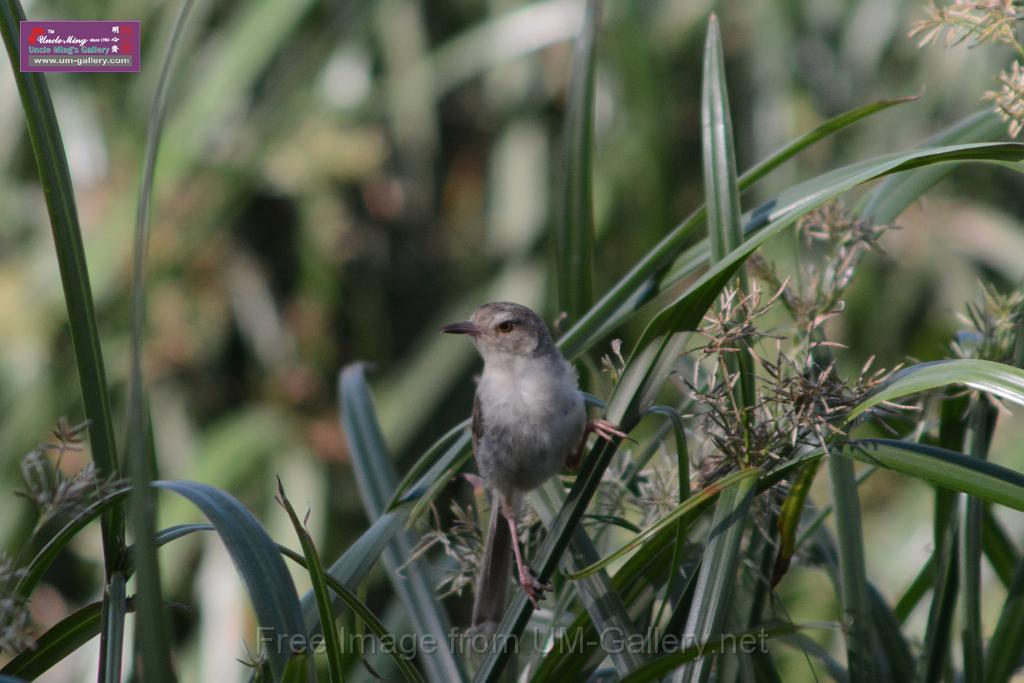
{"x":534,"y":587}
{"x":606,"y":430}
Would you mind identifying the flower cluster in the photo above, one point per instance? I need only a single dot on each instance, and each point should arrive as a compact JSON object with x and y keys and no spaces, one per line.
{"x":978,"y":22}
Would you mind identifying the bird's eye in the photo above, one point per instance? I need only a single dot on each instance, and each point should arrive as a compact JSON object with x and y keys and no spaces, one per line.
{"x":505,"y":326}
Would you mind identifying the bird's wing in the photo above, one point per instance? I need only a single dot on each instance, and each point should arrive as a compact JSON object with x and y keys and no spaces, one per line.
{"x":478,"y":421}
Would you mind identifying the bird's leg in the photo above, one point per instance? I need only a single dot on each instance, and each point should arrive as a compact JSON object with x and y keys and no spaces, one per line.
{"x":534,"y":587}
{"x":604,"y":429}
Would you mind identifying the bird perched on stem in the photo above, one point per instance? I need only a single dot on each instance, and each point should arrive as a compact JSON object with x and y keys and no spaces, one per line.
{"x":529,"y":421}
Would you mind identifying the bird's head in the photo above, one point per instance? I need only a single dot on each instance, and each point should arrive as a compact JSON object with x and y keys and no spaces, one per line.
{"x":502,"y":328}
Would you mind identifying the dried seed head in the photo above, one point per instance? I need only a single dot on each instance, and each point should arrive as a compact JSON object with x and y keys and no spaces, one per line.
{"x":49,"y":488}
{"x":992,"y":324}
{"x":15,"y":620}
{"x":979,"y":21}
{"x":1009,"y":99}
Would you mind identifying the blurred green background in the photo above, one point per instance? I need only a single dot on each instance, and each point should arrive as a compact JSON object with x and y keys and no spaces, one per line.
{"x":339,"y":179}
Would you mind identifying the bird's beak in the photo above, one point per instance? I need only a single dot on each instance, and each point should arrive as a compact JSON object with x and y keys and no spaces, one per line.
{"x":467,"y":327}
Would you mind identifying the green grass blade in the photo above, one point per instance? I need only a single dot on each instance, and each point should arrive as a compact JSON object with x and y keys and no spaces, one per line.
{"x":662,"y":666}
{"x":45,"y":557}
{"x":377,"y":482}
{"x":152,"y":640}
{"x":1004,"y":381}
{"x":789,"y":518}
{"x":425,"y":462}
{"x":887,"y":201}
{"x":1004,"y":649}
{"x":299,"y":668}
{"x":115,"y":606}
{"x":365,"y":614}
{"x":945,"y":557}
{"x":151,"y":629}
{"x":999,"y":549}
{"x":60,"y":640}
{"x":574,"y":233}
{"x":829,"y":127}
{"x":684,"y":512}
{"x":945,"y":563}
{"x":948,"y":469}
{"x":721,"y":190}
{"x":812,"y":526}
{"x":332,"y":642}
{"x":682,"y":453}
{"x":48,"y":150}
{"x":853,"y":591}
{"x":257,"y":561}
{"x":438,"y":477}
{"x":163,"y":537}
{"x":896,"y":662}
{"x":599,"y":599}
{"x":918,"y":588}
{"x":712,"y":600}
{"x":636,"y":582}
{"x":636,"y":286}
{"x":981,"y":421}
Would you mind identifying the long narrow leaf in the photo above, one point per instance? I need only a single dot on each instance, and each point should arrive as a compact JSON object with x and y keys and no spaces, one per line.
{"x":852,"y":570}
{"x":80,"y":627}
{"x":332,"y":642}
{"x":951,"y":470}
{"x":574,"y":233}
{"x":1003,"y":657}
{"x":789,"y":518}
{"x":693,"y":651}
{"x":711,"y":603}
{"x":115,"y":607}
{"x":922,"y":583}
{"x":365,"y":614}
{"x":48,"y":150}
{"x":682,"y":513}
{"x":998,"y":379}
{"x":891,"y":197}
{"x":377,"y":482}
{"x":59,"y":641}
{"x":982,"y":423}
{"x":722,"y":194}
{"x":44,"y":558}
{"x":999,"y":549}
{"x":151,"y":629}
{"x":946,"y":556}
{"x":721,"y":190}
{"x":598,"y":597}
{"x":258,"y":563}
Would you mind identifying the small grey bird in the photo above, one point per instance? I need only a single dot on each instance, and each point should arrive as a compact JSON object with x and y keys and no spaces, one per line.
{"x":529,"y":421}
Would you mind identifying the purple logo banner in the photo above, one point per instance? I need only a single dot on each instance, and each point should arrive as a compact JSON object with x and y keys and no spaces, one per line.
{"x":72,"y":46}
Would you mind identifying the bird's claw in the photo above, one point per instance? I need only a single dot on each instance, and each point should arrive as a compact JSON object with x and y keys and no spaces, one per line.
{"x":606,"y":430}
{"x":534,"y":587}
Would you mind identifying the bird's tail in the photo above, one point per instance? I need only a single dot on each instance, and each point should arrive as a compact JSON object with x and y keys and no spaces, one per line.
{"x":495,"y":570}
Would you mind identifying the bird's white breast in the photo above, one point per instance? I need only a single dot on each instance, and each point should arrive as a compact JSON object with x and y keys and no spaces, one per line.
{"x":533,"y":418}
